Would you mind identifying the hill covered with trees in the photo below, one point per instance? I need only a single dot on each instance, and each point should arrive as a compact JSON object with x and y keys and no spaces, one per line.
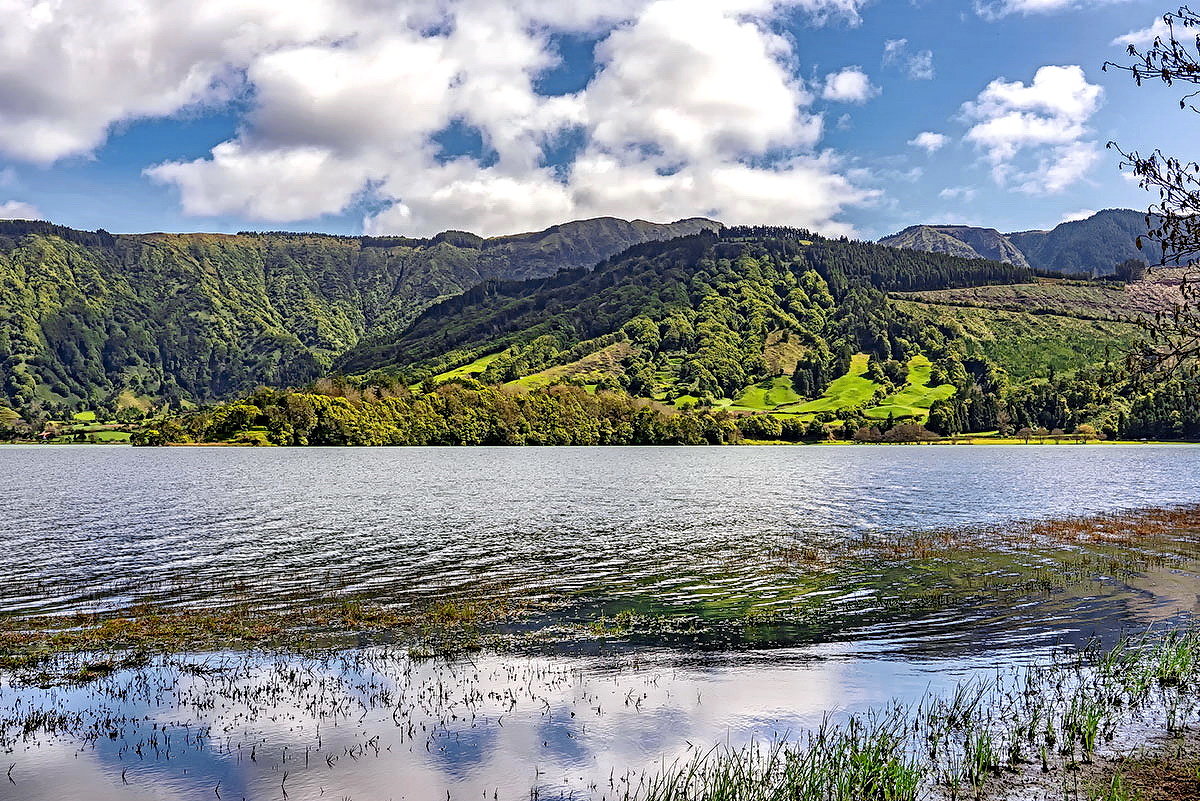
{"x":95,"y":320}
{"x":745,"y":333}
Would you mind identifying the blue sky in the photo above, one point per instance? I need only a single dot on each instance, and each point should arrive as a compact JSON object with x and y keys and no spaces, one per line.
{"x":412,"y":117}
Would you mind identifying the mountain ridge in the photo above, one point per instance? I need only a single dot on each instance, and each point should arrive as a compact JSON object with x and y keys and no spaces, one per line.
{"x":90,"y":317}
{"x":1093,"y":246}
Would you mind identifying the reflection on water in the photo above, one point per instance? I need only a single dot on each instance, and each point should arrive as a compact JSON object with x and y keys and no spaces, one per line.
{"x":375,"y":726}
{"x":678,"y":529}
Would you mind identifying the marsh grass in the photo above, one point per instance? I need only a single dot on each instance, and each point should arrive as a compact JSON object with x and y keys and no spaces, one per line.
{"x":1129,"y":529}
{"x":30,"y":646}
{"x":1049,"y":718}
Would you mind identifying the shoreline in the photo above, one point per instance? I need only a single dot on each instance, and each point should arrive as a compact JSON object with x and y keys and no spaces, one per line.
{"x":961,"y":441}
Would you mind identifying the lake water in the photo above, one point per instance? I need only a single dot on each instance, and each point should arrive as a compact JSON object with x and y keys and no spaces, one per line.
{"x":695,"y":532}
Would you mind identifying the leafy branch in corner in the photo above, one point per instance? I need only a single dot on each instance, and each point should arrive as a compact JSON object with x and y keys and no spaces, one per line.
{"x":1173,"y":222}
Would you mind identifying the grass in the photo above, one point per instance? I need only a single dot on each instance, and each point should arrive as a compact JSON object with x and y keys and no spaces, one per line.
{"x":852,"y":389}
{"x":768,"y":395}
{"x":1027,"y":730}
{"x":916,"y":397}
{"x":1092,"y":302}
{"x":590,"y":369}
{"x":84,"y":417}
{"x":1027,"y":344}
{"x":474,"y":368}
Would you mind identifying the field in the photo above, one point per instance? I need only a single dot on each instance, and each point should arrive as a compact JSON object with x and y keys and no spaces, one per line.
{"x":1091,"y":301}
{"x":916,"y":397}
{"x":1027,"y":344}
{"x":604,"y":362}
{"x":852,"y":389}
{"x":475,"y":367}
{"x":768,"y":395}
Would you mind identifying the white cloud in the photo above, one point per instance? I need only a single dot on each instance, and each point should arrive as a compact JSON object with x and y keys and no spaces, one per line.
{"x":686,"y":94}
{"x":696,"y":82}
{"x":1145,"y":37}
{"x":1074,"y":216}
{"x":929,"y":141}
{"x":917,"y":65}
{"x":16,"y":210}
{"x":995,"y":9}
{"x":849,"y":85}
{"x":1045,"y":122}
{"x":695,"y":106}
{"x":964,"y":193}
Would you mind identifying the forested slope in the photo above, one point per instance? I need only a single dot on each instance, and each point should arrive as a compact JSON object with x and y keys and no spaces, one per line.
{"x":702,"y":317}
{"x":92,"y":319}
{"x":755,"y":333}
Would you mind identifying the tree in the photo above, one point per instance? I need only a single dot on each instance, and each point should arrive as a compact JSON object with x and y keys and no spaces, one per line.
{"x":867,"y":434}
{"x":1173,"y":223}
{"x":1131,"y":270}
{"x":909,"y":432}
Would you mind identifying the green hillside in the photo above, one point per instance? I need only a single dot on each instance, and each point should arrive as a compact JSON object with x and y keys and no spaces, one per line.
{"x":706,"y":316}
{"x":848,"y":391}
{"x":88,"y":318}
{"x":918,"y":395}
{"x":747,"y":333}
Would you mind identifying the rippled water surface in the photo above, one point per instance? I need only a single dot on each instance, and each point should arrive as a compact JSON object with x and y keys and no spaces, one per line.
{"x":94,"y":527}
{"x":687,"y":530}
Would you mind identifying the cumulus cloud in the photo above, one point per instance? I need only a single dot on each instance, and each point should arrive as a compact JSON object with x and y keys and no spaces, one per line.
{"x":929,"y":141}
{"x":694,"y":108}
{"x":16,"y":210}
{"x":685,"y":97}
{"x":918,"y":65}
{"x":849,"y":85}
{"x":1144,"y":37}
{"x":1034,"y":135}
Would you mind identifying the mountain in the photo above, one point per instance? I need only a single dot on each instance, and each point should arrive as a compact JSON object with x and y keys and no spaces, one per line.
{"x":958,"y":240}
{"x":92,"y":318}
{"x":1093,"y":246}
{"x":761,"y":333}
{"x":706,"y":315}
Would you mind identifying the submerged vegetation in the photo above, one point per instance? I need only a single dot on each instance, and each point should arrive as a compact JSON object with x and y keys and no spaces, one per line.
{"x":151,"y":684}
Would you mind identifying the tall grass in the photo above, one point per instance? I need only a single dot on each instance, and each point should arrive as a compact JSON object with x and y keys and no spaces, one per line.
{"x":955,"y":746}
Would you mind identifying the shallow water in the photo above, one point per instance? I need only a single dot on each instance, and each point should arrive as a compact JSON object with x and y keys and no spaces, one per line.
{"x":686,"y":530}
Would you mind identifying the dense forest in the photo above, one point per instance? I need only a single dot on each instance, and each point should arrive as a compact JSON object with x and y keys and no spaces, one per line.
{"x":742,"y":334}
{"x":719,"y":335}
{"x":92,"y":320}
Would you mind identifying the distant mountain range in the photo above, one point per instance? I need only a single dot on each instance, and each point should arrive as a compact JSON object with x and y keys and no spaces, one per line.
{"x":1094,"y":246}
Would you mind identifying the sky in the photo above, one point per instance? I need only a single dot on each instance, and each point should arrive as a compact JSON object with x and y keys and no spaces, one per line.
{"x":855,"y":117}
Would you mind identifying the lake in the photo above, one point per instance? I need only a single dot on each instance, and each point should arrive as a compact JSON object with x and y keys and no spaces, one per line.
{"x":669,"y":533}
